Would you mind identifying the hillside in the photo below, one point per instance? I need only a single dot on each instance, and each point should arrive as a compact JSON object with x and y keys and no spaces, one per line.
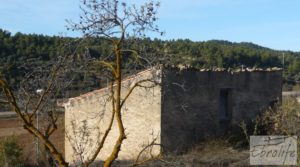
{"x":21,"y":53}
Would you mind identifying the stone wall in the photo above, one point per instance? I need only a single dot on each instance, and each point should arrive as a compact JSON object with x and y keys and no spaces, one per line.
{"x":191,"y":102}
{"x":188,"y":106}
{"x":88,"y":115}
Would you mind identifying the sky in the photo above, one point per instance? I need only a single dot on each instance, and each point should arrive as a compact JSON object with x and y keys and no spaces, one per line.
{"x":270,"y":23}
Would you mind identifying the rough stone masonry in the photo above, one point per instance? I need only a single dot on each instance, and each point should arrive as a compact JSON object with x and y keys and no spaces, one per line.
{"x":187,"y":106}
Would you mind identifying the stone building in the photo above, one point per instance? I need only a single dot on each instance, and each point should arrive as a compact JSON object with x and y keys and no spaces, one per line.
{"x":187,"y":106}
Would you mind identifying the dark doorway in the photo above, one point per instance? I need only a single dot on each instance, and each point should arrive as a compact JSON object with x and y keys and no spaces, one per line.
{"x":224,"y":110}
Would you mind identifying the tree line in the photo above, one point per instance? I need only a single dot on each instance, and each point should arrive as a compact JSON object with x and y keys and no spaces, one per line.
{"x":19,"y":53}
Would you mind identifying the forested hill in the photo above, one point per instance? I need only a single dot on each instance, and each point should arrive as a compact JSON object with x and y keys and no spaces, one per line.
{"x":34,"y":49}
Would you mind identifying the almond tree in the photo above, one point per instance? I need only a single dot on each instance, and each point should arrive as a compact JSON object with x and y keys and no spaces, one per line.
{"x":33,"y":105}
{"x":119,"y":23}
{"x":37,"y":93}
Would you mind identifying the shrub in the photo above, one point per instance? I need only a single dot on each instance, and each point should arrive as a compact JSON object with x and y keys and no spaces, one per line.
{"x":10,"y":152}
{"x":285,"y":120}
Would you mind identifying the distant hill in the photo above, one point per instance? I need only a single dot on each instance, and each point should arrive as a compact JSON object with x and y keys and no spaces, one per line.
{"x":240,"y":44}
{"x":19,"y":53}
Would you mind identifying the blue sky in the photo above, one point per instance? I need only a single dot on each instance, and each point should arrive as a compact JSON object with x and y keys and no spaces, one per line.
{"x":270,"y":23}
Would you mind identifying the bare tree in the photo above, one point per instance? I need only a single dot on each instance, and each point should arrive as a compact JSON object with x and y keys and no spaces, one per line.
{"x":36,"y":96}
{"x":118,"y":23}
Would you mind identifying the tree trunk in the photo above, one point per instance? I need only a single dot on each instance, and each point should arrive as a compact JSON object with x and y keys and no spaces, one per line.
{"x":117,"y":147}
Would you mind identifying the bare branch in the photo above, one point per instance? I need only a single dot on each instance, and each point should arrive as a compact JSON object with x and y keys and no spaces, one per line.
{"x":52,"y":126}
{"x":138,"y":84}
{"x":109,"y":65}
{"x":54,"y":74}
{"x":27,"y":102}
{"x":137,"y":161}
{"x":104,"y":18}
{"x":12,"y":100}
{"x":4,"y":101}
{"x":108,"y":129}
{"x":28,"y":125}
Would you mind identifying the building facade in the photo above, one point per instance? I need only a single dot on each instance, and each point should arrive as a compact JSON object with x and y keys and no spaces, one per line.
{"x":187,"y":106}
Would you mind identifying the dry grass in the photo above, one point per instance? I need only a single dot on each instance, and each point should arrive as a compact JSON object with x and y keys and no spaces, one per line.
{"x":214,"y":153}
{"x":286,"y":121}
{"x":219,"y":152}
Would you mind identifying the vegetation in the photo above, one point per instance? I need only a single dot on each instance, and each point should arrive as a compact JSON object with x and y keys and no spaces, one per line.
{"x":213,"y":152}
{"x":284,"y":120}
{"x":117,"y":24}
{"x":234,"y":150}
{"x":19,"y":53}
{"x":10,"y":152}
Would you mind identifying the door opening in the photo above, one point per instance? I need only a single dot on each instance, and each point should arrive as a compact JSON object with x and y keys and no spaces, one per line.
{"x":224,"y":110}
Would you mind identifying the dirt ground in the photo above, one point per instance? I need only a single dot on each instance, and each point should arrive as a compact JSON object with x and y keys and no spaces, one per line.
{"x":12,"y":127}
